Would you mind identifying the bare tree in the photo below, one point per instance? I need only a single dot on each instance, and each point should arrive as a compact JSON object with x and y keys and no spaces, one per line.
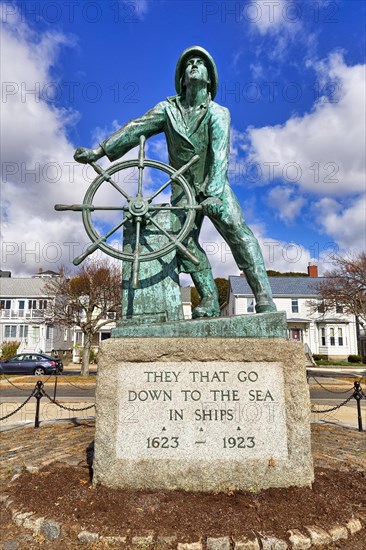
{"x":85,"y":300}
{"x":345,"y":286}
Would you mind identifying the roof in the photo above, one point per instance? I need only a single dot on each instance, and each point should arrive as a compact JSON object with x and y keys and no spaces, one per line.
{"x":22,"y":287}
{"x":332,"y":320}
{"x":281,"y":286}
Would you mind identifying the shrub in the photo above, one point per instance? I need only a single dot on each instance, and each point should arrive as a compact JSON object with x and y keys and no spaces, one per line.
{"x":92,"y":355}
{"x":9,"y":348}
{"x":319,"y":357}
{"x":354,"y":359}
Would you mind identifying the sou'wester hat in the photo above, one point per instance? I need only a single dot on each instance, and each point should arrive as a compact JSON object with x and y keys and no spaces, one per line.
{"x":211,"y":67}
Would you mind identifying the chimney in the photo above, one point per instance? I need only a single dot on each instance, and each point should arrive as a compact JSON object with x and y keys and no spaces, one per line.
{"x":312,"y":270}
{"x":40,"y":270}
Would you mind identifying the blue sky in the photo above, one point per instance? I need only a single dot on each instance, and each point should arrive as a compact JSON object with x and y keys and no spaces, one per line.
{"x":291,"y":73}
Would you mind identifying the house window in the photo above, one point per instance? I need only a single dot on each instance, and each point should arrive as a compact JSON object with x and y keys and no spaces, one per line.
{"x":49,"y":332}
{"x":339,"y":308}
{"x":340,"y":337}
{"x":250,"y":305}
{"x":322,"y":335}
{"x":321,"y":307}
{"x":295,"y":305}
{"x":66,"y":335}
{"x":32,"y":304}
{"x":23,"y":331}
{"x":43,"y":304}
{"x":332,"y":338}
{"x":10,"y":331}
{"x":5,"y":304}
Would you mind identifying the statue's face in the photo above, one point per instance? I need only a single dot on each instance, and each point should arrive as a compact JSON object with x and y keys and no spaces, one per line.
{"x":195,"y":70}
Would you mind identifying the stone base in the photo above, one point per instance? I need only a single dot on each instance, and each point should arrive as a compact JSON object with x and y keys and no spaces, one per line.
{"x":259,"y":325}
{"x":202,"y":414}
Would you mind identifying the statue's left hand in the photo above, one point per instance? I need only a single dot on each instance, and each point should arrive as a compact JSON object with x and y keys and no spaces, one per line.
{"x":212,"y":206}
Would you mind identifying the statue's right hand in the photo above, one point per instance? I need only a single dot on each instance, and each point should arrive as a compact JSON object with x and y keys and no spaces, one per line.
{"x":85,"y":155}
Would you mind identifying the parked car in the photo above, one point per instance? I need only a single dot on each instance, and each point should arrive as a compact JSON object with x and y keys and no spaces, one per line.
{"x":31,"y":363}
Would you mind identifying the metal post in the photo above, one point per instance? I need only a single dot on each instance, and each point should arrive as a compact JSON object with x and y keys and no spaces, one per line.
{"x":55,"y":387}
{"x":357,"y":394}
{"x":38,"y":395}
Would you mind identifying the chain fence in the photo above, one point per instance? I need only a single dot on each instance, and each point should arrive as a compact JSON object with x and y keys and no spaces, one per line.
{"x":319,"y":411}
{"x":20,"y":406}
{"x":64,"y":379}
{"x":64,"y":406}
{"x":39,"y":392}
{"x":327,"y":389}
{"x":358,"y":394}
{"x":19,"y":387}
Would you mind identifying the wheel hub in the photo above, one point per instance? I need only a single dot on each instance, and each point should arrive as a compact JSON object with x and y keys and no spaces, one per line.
{"x":138,"y":206}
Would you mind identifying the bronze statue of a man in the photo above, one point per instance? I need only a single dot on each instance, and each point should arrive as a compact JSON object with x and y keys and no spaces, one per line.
{"x":194,"y":124}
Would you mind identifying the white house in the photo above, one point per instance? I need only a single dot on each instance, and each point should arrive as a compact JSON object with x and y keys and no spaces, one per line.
{"x":24,"y":315}
{"x":331,"y":334}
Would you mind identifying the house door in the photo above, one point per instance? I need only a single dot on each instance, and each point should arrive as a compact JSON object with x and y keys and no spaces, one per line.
{"x":296,"y":334}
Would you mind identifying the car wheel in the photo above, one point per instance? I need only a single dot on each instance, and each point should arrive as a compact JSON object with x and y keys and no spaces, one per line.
{"x":39,"y":371}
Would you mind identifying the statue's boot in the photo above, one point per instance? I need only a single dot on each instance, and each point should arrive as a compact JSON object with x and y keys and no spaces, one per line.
{"x":258,"y":281}
{"x":206,"y":288}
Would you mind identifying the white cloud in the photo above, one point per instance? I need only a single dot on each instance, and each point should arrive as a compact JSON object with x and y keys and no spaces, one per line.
{"x":286,"y":202}
{"x":322,"y":151}
{"x":280,"y":22}
{"x":346,"y":225}
{"x":36,"y":155}
{"x":321,"y":154}
{"x":272,"y":16}
{"x":37,"y":158}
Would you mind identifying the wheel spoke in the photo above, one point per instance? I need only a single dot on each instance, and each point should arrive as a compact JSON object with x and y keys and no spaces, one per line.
{"x":175,"y":176}
{"x":141,"y":158}
{"x":92,"y":248}
{"x":81,"y":207}
{"x":184,"y":207}
{"x":136,"y":256}
{"x":107,"y":177}
{"x":177,"y":243}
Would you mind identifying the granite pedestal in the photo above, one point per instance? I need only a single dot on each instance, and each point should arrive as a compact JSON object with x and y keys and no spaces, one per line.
{"x":202,"y":414}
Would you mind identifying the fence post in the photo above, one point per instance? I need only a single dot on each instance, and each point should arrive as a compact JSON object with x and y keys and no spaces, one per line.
{"x":357,"y":394}
{"x":55,"y":387}
{"x":38,"y":395}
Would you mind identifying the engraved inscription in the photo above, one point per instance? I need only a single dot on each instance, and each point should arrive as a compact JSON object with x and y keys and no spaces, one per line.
{"x":184,"y":411}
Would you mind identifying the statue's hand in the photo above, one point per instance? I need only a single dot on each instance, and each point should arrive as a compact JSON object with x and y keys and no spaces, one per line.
{"x":85,"y":155}
{"x":212,"y":206}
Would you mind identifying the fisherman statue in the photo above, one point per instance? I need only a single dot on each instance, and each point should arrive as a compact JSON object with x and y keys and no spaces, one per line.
{"x":194,"y":124}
